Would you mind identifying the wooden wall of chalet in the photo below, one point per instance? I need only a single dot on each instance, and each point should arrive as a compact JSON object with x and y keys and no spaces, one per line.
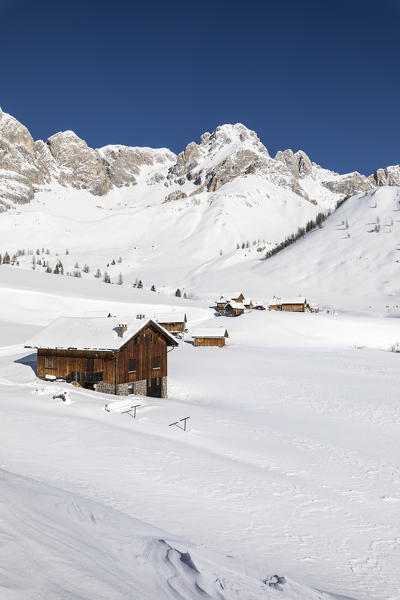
{"x":293,"y":307}
{"x":62,"y":363}
{"x":143,"y":349}
{"x":209,"y":342}
{"x":147,"y":345}
{"x":178,"y":327}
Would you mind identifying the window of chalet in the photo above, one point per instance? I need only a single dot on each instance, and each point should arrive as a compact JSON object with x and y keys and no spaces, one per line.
{"x":50,"y":362}
{"x":156,"y":362}
{"x":132,"y":365}
{"x":149,"y":337}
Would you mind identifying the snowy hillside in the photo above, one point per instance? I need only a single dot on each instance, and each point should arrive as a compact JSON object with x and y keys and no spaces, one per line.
{"x":352,"y":262}
{"x":197,"y":220}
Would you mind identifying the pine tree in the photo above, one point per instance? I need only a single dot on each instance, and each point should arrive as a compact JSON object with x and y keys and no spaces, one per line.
{"x":120,"y":279}
{"x":106,"y":277}
{"x":98,"y":274}
{"x":6,"y":258}
{"x":140,"y":284}
{"x":153,"y":288}
{"x":178,"y":293}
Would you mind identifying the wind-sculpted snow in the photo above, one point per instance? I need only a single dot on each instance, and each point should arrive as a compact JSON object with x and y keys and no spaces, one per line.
{"x":56,"y":544}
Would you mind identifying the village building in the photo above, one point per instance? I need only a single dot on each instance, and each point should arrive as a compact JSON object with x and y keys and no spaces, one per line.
{"x":234,"y":309}
{"x":221,"y":303}
{"x":289,"y":304}
{"x":210,"y":336}
{"x":109,"y":356}
{"x":248,"y":303}
{"x":176,"y":323}
{"x":237,"y":297}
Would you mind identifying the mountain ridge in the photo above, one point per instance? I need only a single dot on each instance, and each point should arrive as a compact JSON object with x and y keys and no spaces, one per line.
{"x":231,"y":151}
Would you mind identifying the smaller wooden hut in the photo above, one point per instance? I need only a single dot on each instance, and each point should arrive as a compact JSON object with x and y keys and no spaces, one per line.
{"x":176,"y":323}
{"x":299,"y":304}
{"x":210,"y":336}
{"x":235,"y":309}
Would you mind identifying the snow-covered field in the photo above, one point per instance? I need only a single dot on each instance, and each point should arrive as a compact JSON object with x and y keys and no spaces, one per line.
{"x":288,"y":466}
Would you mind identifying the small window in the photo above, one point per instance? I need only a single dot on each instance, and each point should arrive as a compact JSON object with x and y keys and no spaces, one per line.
{"x":156,"y":362}
{"x":132,"y":365}
{"x":149,"y":337}
{"x":50,"y":362}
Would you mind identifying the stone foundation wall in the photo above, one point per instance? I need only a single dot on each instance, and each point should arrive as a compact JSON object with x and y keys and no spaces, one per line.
{"x":109,"y":388}
{"x":140,"y":387}
{"x":164,"y":387}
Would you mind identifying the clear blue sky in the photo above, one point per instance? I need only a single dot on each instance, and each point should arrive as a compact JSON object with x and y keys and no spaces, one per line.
{"x":323,"y":76}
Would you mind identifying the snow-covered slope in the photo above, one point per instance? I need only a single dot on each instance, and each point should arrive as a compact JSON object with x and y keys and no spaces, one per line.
{"x":56,"y":544}
{"x":353,"y":261}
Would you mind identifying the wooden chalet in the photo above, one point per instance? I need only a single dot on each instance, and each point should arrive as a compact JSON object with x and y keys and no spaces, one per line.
{"x":109,"y":356}
{"x":234,"y":309}
{"x":221,"y":303}
{"x":176,"y":323}
{"x":210,"y":336}
{"x":289,"y":304}
{"x":237,"y":297}
{"x":248,"y":303}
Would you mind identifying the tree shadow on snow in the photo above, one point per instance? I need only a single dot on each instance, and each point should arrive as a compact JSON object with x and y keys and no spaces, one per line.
{"x":30,"y":360}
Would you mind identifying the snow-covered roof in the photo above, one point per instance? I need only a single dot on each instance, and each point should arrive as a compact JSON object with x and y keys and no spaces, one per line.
{"x":170,"y":317}
{"x":210,"y":332}
{"x":299,"y":300}
{"x":247,"y":301}
{"x":70,"y":333}
{"x":277,"y":300}
{"x":221,"y":299}
{"x":235,"y":304}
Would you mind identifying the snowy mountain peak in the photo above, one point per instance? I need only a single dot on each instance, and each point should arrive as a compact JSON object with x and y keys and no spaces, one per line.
{"x":231,"y":152}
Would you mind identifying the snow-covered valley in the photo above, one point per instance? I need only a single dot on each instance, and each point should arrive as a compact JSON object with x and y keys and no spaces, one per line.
{"x":288,"y":466}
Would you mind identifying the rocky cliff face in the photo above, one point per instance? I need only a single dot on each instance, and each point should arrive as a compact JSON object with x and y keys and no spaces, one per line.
{"x":230,"y":152}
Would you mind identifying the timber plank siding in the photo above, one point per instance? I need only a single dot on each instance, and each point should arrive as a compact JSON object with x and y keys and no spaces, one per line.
{"x":219,"y":342}
{"x":135,"y":365}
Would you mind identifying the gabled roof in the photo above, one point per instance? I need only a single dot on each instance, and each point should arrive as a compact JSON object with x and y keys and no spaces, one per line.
{"x":299,"y":300}
{"x":235,"y":304}
{"x":70,"y":333}
{"x":210,"y":332}
{"x":171,"y":317}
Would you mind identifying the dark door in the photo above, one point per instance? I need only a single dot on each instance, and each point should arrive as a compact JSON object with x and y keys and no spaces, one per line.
{"x":154,"y":387}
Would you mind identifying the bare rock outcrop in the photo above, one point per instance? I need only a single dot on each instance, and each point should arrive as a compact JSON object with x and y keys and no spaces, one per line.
{"x":124,"y":163}
{"x":348,"y":184}
{"x":388,"y":176}
{"x":78,"y":165}
{"x":176,"y":195}
{"x":20,"y":166}
{"x":297,"y":163}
